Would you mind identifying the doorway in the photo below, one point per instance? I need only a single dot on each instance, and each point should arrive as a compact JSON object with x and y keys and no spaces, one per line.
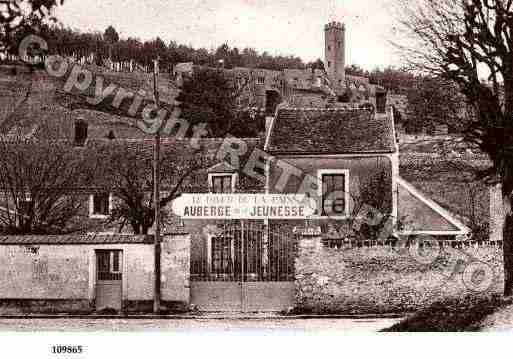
{"x":109,"y":279}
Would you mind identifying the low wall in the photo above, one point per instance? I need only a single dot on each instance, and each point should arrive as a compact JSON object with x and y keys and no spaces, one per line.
{"x":383,"y":278}
{"x":58,"y":274}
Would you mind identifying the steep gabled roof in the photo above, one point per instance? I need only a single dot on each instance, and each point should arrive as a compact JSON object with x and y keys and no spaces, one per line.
{"x":421,"y":215}
{"x":330,"y":131}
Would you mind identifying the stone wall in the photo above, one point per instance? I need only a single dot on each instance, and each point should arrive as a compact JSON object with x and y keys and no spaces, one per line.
{"x":385,"y":278}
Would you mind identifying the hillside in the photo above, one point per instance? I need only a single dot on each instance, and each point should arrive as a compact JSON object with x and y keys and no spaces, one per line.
{"x":444,"y":168}
{"x":33,"y":103}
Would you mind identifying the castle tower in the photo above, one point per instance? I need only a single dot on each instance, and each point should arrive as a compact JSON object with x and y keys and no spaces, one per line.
{"x":334,"y":53}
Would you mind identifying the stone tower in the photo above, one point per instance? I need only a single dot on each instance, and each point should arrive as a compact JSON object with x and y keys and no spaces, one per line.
{"x":335,"y":56}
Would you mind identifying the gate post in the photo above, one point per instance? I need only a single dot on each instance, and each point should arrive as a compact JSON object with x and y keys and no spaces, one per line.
{"x":309,"y":239}
{"x":309,"y":251}
{"x":176,"y":273}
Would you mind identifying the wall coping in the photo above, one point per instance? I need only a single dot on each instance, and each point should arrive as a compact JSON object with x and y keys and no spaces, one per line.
{"x":75,"y":239}
{"x":308,"y":231}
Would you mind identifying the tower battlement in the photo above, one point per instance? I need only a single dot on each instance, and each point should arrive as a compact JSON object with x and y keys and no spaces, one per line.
{"x":334,"y":54}
{"x":335,"y":25}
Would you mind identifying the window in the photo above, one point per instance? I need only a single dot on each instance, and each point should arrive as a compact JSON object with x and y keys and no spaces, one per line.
{"x":109,"y":264}
{"x":222,"y":182}
{"x":329,"y":48}
{"x":260,"y":80}
{"x":329,"y":63}
{"x":80,"y":132}
{"x":334,"y":192}
{"x":100,"y":205}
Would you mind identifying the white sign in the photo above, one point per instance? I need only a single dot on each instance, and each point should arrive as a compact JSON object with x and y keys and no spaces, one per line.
{"x":243,"y":206}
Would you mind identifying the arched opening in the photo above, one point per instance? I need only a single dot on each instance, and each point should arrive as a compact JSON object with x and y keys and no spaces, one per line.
{"x":272,"y":100}
{"x":80,"y":132}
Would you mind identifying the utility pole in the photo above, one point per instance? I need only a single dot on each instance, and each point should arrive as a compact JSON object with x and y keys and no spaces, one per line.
{"x":156,"y":194}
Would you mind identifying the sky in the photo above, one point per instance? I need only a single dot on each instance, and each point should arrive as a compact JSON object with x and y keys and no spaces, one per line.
{"x":286,"y":27}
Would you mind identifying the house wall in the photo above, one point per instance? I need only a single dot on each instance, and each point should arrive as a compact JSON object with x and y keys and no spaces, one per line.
{"x":62,"y":277}
{"x":360,"y":170}
{"x":384,"y":278}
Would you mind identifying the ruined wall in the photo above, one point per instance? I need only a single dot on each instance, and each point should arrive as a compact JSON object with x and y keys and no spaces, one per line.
{"x":384,"y":279}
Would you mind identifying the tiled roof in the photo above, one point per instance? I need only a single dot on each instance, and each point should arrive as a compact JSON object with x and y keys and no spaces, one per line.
{"x":77,"y":239}
{"x":209,"y":146}
{"x":178,"y":151}
{"x":330,"y":131}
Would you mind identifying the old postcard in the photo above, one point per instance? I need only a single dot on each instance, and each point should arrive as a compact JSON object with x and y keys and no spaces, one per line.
{"x":313,"y":165}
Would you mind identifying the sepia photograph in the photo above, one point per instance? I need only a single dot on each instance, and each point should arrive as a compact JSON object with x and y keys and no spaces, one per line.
{"x":255,"y":167}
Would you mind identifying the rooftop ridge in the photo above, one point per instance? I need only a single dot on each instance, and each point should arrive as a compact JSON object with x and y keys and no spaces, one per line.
{"x":330,"y":109}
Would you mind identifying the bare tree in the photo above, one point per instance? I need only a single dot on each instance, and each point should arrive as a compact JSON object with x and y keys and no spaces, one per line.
{"x":128,"y":174}
{"x":38,"y":187}
{"x":470,"y":42}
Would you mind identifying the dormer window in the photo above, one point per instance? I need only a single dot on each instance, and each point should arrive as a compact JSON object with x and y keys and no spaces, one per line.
{"x":100,"y":205}
{"x":222,"y":182}
{"x":80,"y":132}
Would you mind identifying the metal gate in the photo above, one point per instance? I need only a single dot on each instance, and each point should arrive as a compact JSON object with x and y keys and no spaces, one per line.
{"x":246,"y":266}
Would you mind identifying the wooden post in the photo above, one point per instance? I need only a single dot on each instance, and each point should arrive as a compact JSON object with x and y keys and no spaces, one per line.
{"x":156,"y":196}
